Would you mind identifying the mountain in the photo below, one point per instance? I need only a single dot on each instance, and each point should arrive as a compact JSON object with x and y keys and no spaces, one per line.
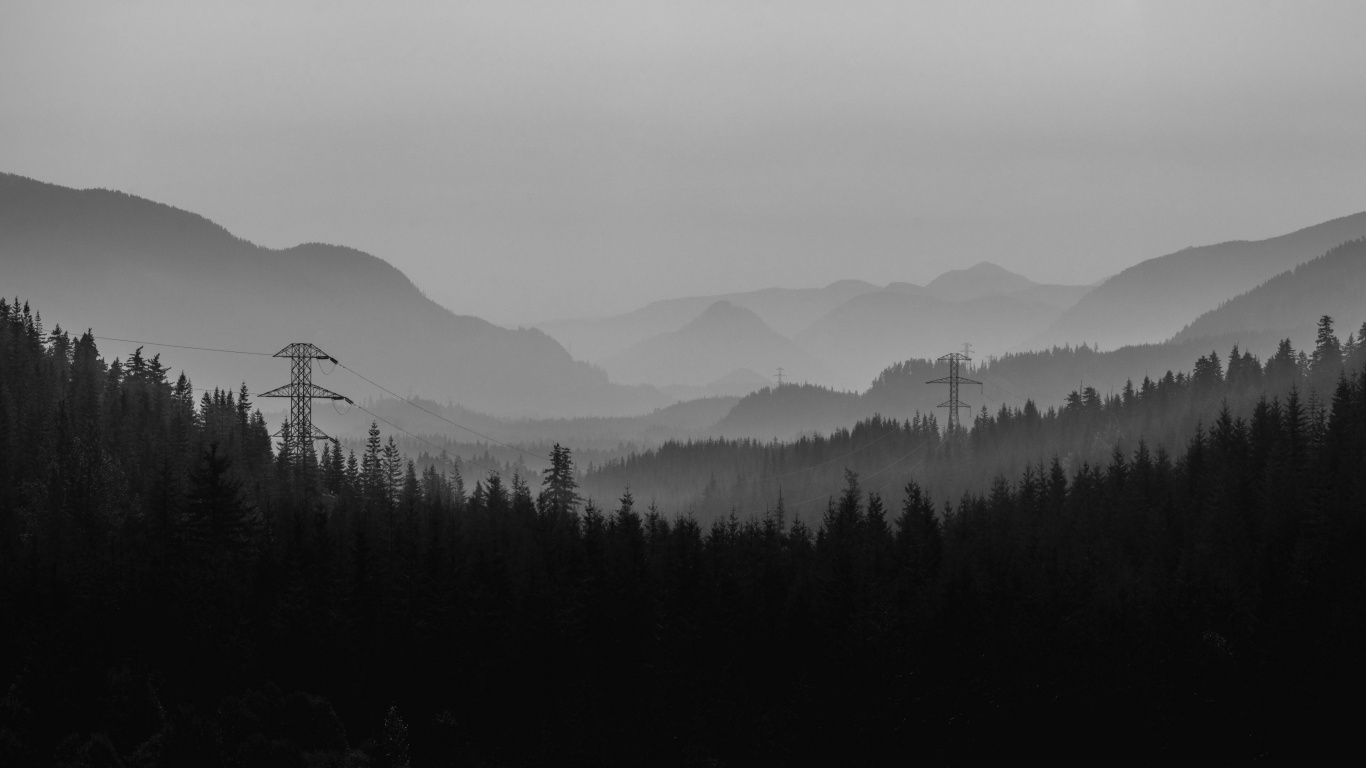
{"x":724,"y":338}
{"x":1289,"y":304}
{"x":737,"y":383}
{"x":138,"y":269}
{"x":867,"y":333}
{"x":1061,"y":297}
{"x":981,"y":279}
{"x":791,"y":311}
{"x":786,"y":310}
{"x":1155,"y":299}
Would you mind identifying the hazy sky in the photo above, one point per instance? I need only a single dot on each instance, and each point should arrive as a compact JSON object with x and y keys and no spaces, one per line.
{"x":525,"y":160}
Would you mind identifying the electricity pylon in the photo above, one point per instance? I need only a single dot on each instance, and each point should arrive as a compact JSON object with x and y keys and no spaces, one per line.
{"x":299,"y":432}
{"x":953,"y":380}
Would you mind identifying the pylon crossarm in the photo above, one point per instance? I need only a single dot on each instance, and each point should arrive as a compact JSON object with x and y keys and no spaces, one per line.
{"x":318,"y":434}
{"x":302,"y":350}
{"x":325,"y":394}
{"x":310,"y":390}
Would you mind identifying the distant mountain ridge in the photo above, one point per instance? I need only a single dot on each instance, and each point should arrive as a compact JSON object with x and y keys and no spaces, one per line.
{"x":721,"y":340}
{"x":981,"y":279}
{"x":867,"y":333}
{"x":852,"y":328}
{"x":135,"y":268}
{"x":1154,"y":299}
{"x":1289,"y":304}
{"x":786,"y":310}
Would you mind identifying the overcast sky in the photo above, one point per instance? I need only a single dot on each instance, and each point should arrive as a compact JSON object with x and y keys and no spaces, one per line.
{"x":523,"y":160}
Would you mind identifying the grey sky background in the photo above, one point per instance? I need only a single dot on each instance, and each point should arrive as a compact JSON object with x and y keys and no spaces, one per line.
{"x":522,"y":161}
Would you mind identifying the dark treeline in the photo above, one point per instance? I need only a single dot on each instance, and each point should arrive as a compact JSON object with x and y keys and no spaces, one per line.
{"x":173,"y":593}
{"x":1046,"y":376}
{"x":710,"y":478}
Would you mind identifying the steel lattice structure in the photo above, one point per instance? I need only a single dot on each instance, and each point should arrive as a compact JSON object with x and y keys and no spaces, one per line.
{"x":299,"y":432}
{"x":953,"y":380}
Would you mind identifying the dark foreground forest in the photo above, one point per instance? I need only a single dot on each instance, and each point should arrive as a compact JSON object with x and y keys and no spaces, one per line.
{"x":172,"y":593}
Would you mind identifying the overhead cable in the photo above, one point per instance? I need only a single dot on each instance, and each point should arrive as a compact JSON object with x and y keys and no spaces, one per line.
{"x":443,"y":418}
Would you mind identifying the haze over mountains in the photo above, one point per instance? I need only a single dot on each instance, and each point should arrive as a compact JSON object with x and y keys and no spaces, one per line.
{"x":786,"y":310}
{"x":841,"y":335}
{"x":137,"y":269}
{"x":1289,"y":304}
{"x":722,"y":341}
{"x":1156,"y":298}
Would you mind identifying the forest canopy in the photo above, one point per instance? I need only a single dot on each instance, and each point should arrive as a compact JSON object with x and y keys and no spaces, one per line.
{"x":1166,"y":568}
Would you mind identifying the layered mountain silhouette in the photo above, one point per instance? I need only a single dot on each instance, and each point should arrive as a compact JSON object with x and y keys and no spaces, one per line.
{"x":137,"y":269}
{"x":721,"y":340}
{"x":1289,"y":304}
{"x":981,"y":279}
{"x":737,"y":383}
{"x":853,"y":329}
{"x":786,"y":310}
{"x":1155,"y":299}
{"x":866,"y":333}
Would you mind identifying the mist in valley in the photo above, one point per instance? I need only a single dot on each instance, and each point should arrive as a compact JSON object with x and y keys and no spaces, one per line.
{"x":680,"y":383}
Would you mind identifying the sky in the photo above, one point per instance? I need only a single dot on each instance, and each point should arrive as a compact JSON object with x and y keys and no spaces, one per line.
{"x":523,"y":161}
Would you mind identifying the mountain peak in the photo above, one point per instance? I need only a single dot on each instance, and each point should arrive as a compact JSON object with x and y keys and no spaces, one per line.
{"x":726,"y":316}
{"x":723,"y":338}
{"x":981,"y":279}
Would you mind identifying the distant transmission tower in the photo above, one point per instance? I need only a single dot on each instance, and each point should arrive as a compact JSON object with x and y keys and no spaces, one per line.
{"x":780,"y":375}
{"x":953,"y":380}
{"x":299,"y":432}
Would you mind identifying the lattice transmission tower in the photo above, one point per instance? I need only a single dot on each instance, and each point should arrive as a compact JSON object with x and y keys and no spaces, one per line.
{"x":954,"y":359}
{"x":299,"y":432}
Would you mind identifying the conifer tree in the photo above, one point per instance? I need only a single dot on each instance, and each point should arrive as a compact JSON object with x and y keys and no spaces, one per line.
{"x":392,"y":472}
{"x":218,"y":519}
{"x":559,"y":488}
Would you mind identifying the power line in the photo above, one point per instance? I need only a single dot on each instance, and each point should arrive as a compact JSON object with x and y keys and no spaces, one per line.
{"x":183,"y":346}
{"x":357,"y":405}
{"x":424,"y":440}
{"x":352,"y":370}
{"x":443,"y":418}
{"x":1007,"y":390}
{"x":884,"y":486}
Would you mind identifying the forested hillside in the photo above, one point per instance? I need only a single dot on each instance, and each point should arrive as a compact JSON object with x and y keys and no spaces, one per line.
{"x":1334,"y":283}
{"x":142,"y":270}
{"x":708,"y":478}
{"x":860,"y":337}
{"x":174,"y":593}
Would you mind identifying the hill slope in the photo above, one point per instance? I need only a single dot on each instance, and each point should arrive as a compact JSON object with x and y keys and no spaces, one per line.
{"x":139,"y":269}
{"x":1287,"y":305}
{"x":1154,"y":299}
{"x":723,"y":339}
